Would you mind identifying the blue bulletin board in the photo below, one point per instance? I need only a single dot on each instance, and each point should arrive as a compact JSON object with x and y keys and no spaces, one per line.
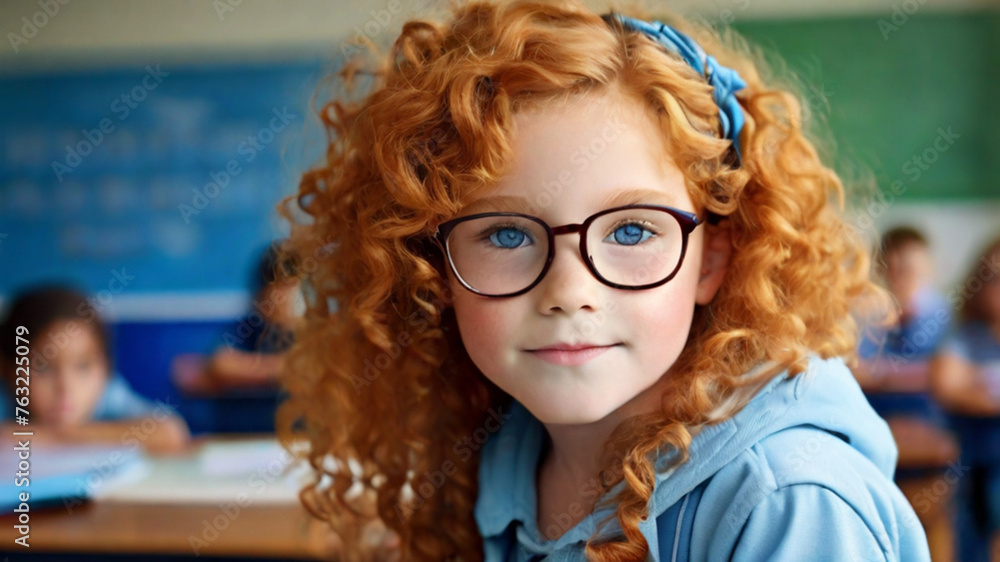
{"x":163,"y":177}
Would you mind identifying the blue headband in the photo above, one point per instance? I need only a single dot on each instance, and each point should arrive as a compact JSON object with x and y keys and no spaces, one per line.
{"x":725,"y":81}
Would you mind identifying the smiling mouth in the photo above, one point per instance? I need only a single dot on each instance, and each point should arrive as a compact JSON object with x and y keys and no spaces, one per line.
{"x":570,"y":356}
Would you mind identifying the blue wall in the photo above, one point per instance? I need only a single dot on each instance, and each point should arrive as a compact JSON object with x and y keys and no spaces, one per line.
{"x":108,"y":175}
{"x":105,"y":182}
{"x":144,"y":352}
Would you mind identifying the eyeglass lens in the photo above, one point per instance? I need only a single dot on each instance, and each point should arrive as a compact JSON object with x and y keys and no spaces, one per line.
{"x":505,"y":254}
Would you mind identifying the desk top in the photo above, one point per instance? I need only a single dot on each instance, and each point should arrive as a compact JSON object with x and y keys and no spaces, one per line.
{"x":227,"y":497}
{"x":286,"y":532}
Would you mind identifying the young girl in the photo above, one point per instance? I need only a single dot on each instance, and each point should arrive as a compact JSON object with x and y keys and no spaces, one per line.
{"x":74,"y":394}
{"x":965,"y":377}
{"x":589,"y":298}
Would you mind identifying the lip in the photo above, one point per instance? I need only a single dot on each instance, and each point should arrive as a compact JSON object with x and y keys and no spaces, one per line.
{"x":570,"y":355}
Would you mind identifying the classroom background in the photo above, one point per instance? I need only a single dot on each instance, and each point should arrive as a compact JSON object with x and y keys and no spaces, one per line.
{"x":145,"y":145}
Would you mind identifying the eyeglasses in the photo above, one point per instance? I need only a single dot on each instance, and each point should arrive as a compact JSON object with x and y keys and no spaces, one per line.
{"x":631,"y":247}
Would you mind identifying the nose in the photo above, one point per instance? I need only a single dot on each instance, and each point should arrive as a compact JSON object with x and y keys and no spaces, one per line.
{"x":62,"y":383}
{"x":568,"y":285}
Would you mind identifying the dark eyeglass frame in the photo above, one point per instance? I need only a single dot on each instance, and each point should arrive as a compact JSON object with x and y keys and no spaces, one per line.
{"x":688,"y":222}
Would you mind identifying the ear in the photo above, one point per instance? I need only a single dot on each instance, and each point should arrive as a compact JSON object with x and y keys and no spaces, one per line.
{"x":718,"y":249}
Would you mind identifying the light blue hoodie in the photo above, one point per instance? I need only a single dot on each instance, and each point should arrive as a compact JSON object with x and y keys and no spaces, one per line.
{"x":803,"y":472}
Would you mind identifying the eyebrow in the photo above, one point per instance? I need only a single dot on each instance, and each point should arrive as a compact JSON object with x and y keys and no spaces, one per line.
{"x":503,"y":203}
{"x":630,"y":196}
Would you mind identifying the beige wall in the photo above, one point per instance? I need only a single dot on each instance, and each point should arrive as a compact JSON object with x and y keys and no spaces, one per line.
{"x":108,"y":32}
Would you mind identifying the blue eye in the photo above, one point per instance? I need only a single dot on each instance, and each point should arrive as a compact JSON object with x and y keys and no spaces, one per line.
{"x":629,"y":234}
{"x":508,"y":237}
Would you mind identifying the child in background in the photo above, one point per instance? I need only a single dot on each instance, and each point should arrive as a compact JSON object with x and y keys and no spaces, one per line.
{"x":252,"y":352}
{"x":252,"y":355}
{"x":589,"y":297}
{"x":894,"y":372}
{"x":966,"y":381}
{"x":74,"y":394}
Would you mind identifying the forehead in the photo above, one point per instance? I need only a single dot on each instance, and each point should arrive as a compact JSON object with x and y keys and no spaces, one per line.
{"x":72,"y":338}
{"x":907,"y":252}
{"x":593,"y":152}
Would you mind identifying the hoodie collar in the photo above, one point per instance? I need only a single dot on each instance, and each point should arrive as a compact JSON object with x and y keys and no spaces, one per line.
{"x":826,"y":395}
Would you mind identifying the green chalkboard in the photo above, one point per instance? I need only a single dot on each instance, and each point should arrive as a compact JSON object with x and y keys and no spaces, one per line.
{"x":895,"y":87}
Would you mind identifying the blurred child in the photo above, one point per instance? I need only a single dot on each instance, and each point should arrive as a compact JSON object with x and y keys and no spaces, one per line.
{"x":252,"y":351}
{"x":894,"y":373}
{"x":965,"y":377}
{"x":74,"y":394}
{"x":252,"y":355}
{"x":593,"y":300}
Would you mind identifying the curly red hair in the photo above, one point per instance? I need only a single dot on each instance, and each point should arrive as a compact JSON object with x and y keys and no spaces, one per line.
{"x":378,"y":377}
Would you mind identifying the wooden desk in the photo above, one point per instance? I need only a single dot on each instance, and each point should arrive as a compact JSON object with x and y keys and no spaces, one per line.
{"x":198,"y":513}
{"x":281,"y":532}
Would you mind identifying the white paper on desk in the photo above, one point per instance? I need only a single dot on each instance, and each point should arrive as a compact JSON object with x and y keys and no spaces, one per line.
{"x":72,"y":471}
{"x":257,"y":471}
{"x":240,"y":457}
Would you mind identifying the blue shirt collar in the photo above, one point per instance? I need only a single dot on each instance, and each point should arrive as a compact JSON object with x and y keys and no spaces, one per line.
{"x":507,"y":494}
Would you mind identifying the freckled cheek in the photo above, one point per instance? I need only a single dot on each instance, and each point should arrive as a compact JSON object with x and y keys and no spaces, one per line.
{"x":660,"y":323}
{"x":488,"y":330}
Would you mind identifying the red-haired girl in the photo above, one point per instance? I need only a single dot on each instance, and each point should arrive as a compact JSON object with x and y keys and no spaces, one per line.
{"x":590,"y":296}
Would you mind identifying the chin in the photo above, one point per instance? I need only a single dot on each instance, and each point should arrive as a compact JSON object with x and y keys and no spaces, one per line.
{"x":572,"y":409}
